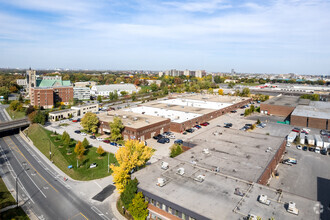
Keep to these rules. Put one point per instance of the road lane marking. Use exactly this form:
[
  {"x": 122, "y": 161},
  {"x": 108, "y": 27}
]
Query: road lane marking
[
  {"x": 27, "y": 174},
  {"x": 97, "y": 211},
  {"x": 30, "y": 163},
  {"x": 83, "y": 216},
  {"x": 97, "y": 184}
]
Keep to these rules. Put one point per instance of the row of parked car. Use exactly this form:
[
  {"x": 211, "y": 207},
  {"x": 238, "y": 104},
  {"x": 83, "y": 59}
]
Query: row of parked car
[
  {"x": 97, "y": 138},
  {"x": 196, "y": 127},
  {"x": 164, "y": 138},
  {"x": 313, "y": 149}
]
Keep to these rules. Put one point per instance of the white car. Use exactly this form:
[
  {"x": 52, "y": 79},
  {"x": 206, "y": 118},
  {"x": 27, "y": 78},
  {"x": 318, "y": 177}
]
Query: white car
[
  {"x": 100, "y": 139},
  {"x": 83, "y": 134},
  {"x": 171, "y": 137},
  {"x": 299, "y": 147},
  {"x": 317, "y": 150},
  {"x": 93, "y": 165}
]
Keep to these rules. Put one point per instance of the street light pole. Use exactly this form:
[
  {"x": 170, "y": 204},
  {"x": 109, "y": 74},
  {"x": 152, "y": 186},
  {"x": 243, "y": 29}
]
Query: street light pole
[
  {"x": 108, "y": 162},
  {"x": 16, "y": 192}
]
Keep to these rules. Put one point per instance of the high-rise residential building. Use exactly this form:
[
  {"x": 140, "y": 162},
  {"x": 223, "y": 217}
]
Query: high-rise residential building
[{"x": 200, "y": 73}]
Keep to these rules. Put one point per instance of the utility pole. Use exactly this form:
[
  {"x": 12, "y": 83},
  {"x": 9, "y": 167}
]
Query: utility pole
[
  {"x": 16, "y": 192},
  {"x": 108, "y": 162},
  {"x": 77, "y": 163}
]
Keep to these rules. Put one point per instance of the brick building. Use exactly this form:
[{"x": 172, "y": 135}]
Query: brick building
[
  {"x": 300, "y": 112},
  {"x": 137, "y": 126},
  {"x": 47, "y": 97}
]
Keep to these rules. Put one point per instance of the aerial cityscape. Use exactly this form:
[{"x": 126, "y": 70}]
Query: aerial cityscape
[{"x": 162, "y": 110}]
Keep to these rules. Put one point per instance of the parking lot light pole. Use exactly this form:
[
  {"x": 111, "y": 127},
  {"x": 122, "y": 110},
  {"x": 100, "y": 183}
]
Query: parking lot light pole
[{"x": 50, "y": 149}]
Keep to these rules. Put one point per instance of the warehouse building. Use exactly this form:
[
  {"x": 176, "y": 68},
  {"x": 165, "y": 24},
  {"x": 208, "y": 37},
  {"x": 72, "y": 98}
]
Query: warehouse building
[
  {"x": 315, "y": 115},
  {"x": 105, "y": 90},
  {"x": 75, "y": 111},
  {"x": 218, "y": 183},
  {"x": 137, "y": 126},
  {"x": 81, "y": 93},
  {"x": 189, "y": 110}
]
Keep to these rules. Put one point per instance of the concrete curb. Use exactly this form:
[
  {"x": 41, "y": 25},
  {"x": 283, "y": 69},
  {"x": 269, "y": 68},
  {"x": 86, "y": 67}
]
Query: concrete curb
[
  {"x": 113, "y": 206},
  {"x": 6, "y": 113}
]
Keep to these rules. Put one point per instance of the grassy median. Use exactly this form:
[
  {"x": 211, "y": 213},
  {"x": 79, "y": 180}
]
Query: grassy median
[
  {"x": 63, "y": 157},
  {"x": 15, "y": 114},
  {"x": 6, "y": 199}
]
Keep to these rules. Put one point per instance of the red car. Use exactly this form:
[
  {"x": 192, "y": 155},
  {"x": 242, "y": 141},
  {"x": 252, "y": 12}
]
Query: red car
[
  {"x": 74, "y": 120},
  {"x": 205, "y": 124},
  {"x": 296, "y": 130},
  {"x": 106, "y": 141}
]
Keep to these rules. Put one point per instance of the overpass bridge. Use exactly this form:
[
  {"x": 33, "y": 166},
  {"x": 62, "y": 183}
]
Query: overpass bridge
[{"x": 12, "y": 125}]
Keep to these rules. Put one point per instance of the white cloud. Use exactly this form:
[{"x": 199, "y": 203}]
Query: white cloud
[{"x": 199, "y": 6}]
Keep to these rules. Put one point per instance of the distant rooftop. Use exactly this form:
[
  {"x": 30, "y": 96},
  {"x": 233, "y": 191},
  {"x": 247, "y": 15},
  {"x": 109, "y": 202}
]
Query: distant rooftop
[
  {"x": 313, "y": 110},
  {"x": 112, "y": 87},
  {"x": 285, "y": 100},
  {"x": 196, "y": 103},
  {"x": 52, "y": 82}
]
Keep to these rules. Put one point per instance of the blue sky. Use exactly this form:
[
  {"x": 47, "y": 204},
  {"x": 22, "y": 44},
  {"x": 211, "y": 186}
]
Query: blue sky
[{"x": 275, "y": 36}]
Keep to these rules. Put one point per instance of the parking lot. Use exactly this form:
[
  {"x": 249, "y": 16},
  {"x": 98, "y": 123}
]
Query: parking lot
[{"x": 310, "y": 177}]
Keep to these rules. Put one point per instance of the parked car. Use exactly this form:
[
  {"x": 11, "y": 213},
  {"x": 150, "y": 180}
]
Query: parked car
[
  {"x": 93, "y": 165},
  {"x": 100, "y": 139},
  {"x": 242, "y": 114},
  {"x": 317, "y": 150},
  {"x": 324, "y": 151},
  {"x": 299, "y": 147},
  {"x": 171, "y": 136},
  {"x": 178, "y": 141},
  {"x": 158, "y": 136},
  {"x": 190, "y": 130},
  {"x": 83, "y": 134},
  {"x": 92, "y": 137},
  {"x": 184, "y": 133},
  {"x": 77, "y": 131},
  {"x": 198, "y": 126},
  {"x": 167, "y": 133},
  {"x": 229, "y": 124},
  {"x": 233, "y": 111},
  {"x": 305, "y": 148},
  {"x": 218, "y": 125},
  {"x": 74, "y": 120},
  {"x": 113, "y": 143},
  {"x": 106, "y": 141},
  {"x": 163, "y": 140},
  {"x": 312, "y": 149},
  {"x": 296, "y": 130}
]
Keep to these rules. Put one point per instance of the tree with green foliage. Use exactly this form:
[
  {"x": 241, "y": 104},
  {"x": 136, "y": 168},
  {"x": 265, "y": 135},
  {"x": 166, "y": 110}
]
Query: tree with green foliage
[
  {"x": 85, "y": 143},
  {"x": 90, "y": 122},
  {"x": 154, "y": 87},
  {"x": 210, "y": 91},
  {"x": 37, "y": 117},
  {"x": 245, "y": 92},
  {"x": 231, "y": 85},
  {"x": 29, "y": 110},
  {"x": 67, "y": 140},
  {"x": 16, "y": 106},
  {"x": 258, "y": 121},
  {"x": 123, "y": 93},
  {"x": 175, "y": 150},
  {"x": 99, "y": 98},
  {"x": 129, "y": 192},
  {"x": 139, "y": 207},
  {"x": 313, "y": 97},
  {"x": 116, "y": 128},
  {"x": 133, "y": 96},
  {"x": 4, "y": 91}
]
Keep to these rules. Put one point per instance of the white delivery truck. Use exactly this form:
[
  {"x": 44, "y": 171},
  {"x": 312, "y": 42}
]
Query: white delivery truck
[
  {"x": 302, "y": 138},
  {"x": 311, "y": 139},
  {"x": 318, "y": 141},
  {"x": 291, "y": 137}
]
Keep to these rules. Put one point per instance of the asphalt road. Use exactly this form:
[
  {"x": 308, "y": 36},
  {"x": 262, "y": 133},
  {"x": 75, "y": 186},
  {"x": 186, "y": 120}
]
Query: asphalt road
[{"x": 41, "y": 190}]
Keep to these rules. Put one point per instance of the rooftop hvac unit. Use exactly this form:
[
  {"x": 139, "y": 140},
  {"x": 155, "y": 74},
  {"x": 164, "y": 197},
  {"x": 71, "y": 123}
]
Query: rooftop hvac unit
[
  {"x": 165, "y": 165},
  {"x": 147, "y": 121},
  {"x": 180, "y": 171},
  {"x": 291, "y": 208},
  {"x": 200, "y": 178},
  {"x": 161, "y": 182},
  {"x": 124, "y": 116},
  {"x": 206, "y": 151},
  {"x": 135, "y": 119},
  {"x": 263, "y": 199}
]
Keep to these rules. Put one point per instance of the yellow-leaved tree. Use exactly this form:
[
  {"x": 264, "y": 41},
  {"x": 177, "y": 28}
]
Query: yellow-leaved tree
[
  {"x": 220, "y": 91},
  {"x": 133, "y": 154}
]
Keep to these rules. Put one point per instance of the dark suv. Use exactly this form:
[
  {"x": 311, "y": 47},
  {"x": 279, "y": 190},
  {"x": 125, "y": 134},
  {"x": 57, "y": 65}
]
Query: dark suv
[
  {"x": 157, "y": 137},
  {"x": 163, "y": 140}
]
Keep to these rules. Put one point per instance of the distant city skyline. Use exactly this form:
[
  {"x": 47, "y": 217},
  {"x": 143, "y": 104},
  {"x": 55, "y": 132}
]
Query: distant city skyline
[{"x": 277, "y": 36}]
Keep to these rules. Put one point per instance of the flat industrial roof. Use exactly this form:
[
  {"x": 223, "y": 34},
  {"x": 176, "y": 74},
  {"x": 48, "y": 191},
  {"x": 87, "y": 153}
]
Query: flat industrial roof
[
  {"x": 62, "y": 111},
  {"x": 196, "y": 103},
  {"x": 175, "y": 116},
  {"x": 237, "y": 153},
  {"x": 214, "y": 198},
  {"x": 210, "y": 98},
  {"x": 130, "y": 119},
  {"x": 313, "y": 110},
  {"x": 285, "y": 100}
]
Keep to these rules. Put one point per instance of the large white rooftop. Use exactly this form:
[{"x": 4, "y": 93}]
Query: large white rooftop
[
  {"x": 196, "y": 103},
  {"x": 175, "y": 116}
]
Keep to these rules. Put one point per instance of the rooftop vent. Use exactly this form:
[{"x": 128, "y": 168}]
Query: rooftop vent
[
  {"x": 147, "y": 121},
  {"x": 135, "y": 119},
  {"x": 161, "y": 182},
  {"x": 263, "y": 199},
  {"x": 124, "y": 116},
  {"x": 200, "y": 178},
  {"x": 291, "y": 208},
  {"x": 165, "y": 165},
  {"x": 180, "y": 171},
  {"x": 206, "y": 151}
]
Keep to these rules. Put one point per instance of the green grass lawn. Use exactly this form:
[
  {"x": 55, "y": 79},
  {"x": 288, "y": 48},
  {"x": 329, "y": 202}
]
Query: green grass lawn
[
  {"x": 15, "y": 213},
  {"x": 6, "y": 198},
  {"x": 15, "y": 114},
  {"x": 62, "y": 160}
]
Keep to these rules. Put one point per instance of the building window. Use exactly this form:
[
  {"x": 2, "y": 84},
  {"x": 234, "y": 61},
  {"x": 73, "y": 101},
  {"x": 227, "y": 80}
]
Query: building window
[
  {"x": 170, "y": 210},
  {"x": 158, "y": 204},
  {"x": 164, "y": 207}
]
